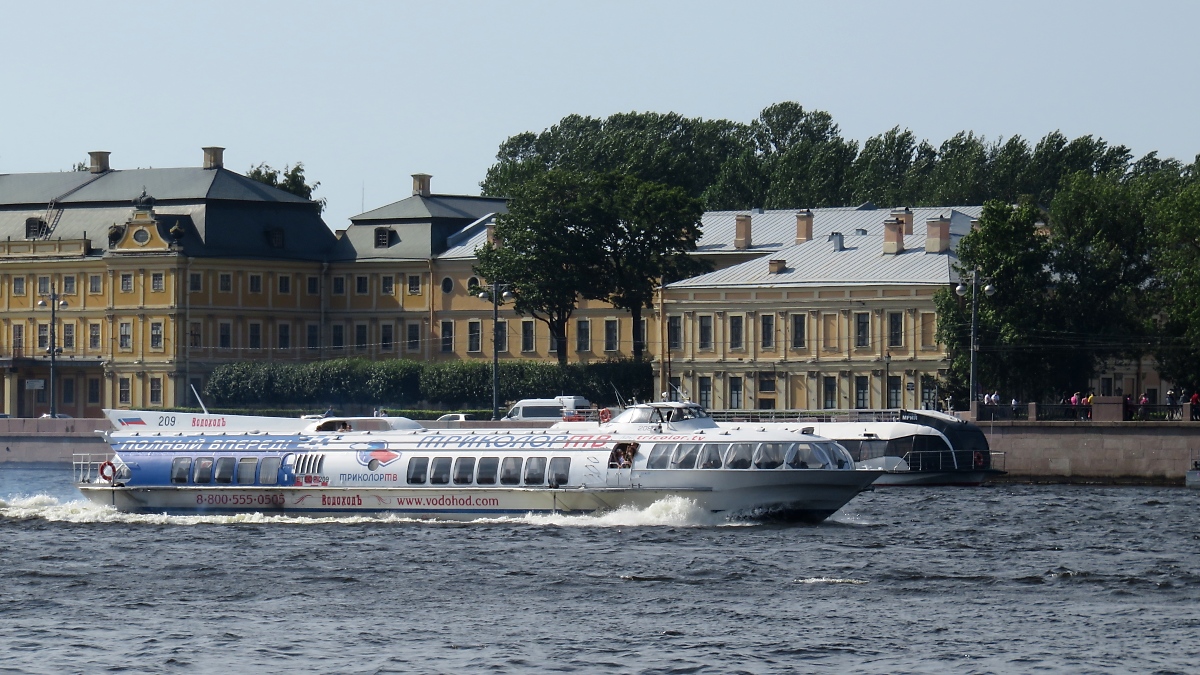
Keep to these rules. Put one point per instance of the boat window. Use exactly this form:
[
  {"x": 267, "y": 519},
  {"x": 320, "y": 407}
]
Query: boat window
[
  {"x": 464, "y": 468},
  {"x": 660, "y": 456},
  {"x": 690, "y": 412},
  {"x": 838, "y": 455},
  {"x": 203, "y": 471},
  {"x": 560, "y": 471},
  {"x": 487, "y": 471},
  {"x": 738, "y": 455},
  {"x": 710, "y": 457},
  {"x": 245, "y": 471},
  {"x": 808, "y": 456},
  {"x": 869, "y": 449},
  {"x": 224, "y": 471},
  {"x": 268, "y": 471},
  {"x": 928, "y": 444},
  {"x": 633, "y": 416},
  {"x": 770, "y": 455},
  {"x": 510, "y": 471},
  {"x": 180, "y": 467},
  {"x": 684, "y": 456},
  {"x": 417, "y": 468},
  {"x": 535, "y": 471},
  {"x": 439, "y": 473}
]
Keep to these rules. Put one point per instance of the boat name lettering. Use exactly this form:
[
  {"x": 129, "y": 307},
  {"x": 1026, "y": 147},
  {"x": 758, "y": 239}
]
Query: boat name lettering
[
  {"x": 341, "y": 500},
  {"x": 661, "y": 437},
  {"x": 367, "y": 477},
  {"x": 239, "y": 499},
  {"x": 208, "y": 422},
  {"x": 510, "y": 441}
]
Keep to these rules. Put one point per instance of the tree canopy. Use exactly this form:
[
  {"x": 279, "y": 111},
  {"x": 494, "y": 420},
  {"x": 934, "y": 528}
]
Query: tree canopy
[
  {"x": 289, "y": 179},
  {"x": 571, "y": 235}
]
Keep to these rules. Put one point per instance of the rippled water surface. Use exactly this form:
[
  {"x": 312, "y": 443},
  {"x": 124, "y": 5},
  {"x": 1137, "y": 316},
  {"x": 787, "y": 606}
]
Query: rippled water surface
[{"x": 1009, "y": 579}]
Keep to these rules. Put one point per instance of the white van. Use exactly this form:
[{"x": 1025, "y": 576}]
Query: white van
[{"x": 546, "y": 409}]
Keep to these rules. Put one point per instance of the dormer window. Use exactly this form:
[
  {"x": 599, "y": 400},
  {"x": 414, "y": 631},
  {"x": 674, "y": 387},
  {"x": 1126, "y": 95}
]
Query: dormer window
[
  {"x": 275, "y": 236},
  {"x": 383, "y": 237},
  {"x": 34, "y": 228}
]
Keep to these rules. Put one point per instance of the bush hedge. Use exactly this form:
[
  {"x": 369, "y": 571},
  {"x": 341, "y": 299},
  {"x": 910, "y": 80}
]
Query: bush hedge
[{"x": 397, "y": 383}]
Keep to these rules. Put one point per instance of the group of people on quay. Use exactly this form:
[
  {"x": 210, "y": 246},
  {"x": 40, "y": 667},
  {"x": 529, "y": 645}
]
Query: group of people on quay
[{"x": 1078, "y": 406}]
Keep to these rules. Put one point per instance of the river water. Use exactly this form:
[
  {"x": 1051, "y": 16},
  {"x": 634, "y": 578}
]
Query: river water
[{"x": 1004, "y": 579}]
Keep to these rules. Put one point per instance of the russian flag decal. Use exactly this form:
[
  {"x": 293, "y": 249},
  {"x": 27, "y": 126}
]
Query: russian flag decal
[{"x": 131, "y": 421}]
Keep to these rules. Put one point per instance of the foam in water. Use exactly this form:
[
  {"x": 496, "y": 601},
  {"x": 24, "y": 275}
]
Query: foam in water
[
  {"x": 670, "y": 511},
  {"x": 828, "y": 580}
]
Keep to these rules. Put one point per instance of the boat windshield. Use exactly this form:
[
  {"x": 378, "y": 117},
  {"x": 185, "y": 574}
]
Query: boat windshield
[{"x": 660, "y": 414}]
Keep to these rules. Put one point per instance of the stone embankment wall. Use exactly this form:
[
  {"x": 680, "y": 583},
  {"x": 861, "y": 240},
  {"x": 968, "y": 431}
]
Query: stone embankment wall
[
  {"x": 1083, "y": 452},
  {"x": 1095, "y": 452},
  {"x": 49, "y": 440}
]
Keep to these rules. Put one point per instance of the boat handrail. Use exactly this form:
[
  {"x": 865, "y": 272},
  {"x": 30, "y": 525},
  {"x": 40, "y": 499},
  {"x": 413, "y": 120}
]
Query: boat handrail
[{"x": 781, "y": 415}]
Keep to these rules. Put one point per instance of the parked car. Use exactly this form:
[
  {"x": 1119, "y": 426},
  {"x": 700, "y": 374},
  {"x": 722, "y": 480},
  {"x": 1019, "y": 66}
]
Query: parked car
[
  {"x": 457, "y": 417},
  {"x": 61, "y": 416},
  {"x": 547, "y": 409}
]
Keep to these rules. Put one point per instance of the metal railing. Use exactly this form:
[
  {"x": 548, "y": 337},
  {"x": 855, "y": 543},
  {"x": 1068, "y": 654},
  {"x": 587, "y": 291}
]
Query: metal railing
[
  {"x": 1154, "y": 413},
  {"x": 1064, "y": 412},
  {"x": 985, "y": 413},
  {"x": 805, "y": 415},
  {"x": 85, "y": 467}
]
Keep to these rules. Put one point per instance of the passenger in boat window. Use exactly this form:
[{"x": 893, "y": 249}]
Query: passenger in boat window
[
  {"x": 660, "y": 456},
  {"x": 344, "y": 426},
  {"x": 710, "y": 457},
  {"x": 770, "y": 455},
  {"x": 331, "y": 425},
  {"x": 738, "y": 455},
  {"x": 464, "y": 468},
  {"x": 627, "y": 456},
  {"x": 439, "y": 474},
  {"x": 797, "y": 456},
  {"x": 180, "y": 467},
  {"x": 224, "y": 471},
  {"x": 838, "y": 455},
  {"x": 268, "y": 471},
  {"x": 810, "y": 456},
  {"x": 510, "y": 471},
  {"x": 245, "y": 470},
  {"x": 560, "y": 471},
  {"x": 535, "y": 471},
  {"x": 417, "y": 468},
  {"x": 616, "y": 457},
  {"x": 684, "y": 456},
  {"x": 487, "y": 471},
  {"x": 203, "y": 470}
]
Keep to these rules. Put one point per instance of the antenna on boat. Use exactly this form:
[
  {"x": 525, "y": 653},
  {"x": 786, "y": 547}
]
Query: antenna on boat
[
  {"x": 620, "y": 401},
  {"x": 198, "y": 399}
]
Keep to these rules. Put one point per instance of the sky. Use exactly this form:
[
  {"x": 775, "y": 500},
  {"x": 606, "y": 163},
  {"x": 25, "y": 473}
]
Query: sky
[{"x": 367, "y": 93}]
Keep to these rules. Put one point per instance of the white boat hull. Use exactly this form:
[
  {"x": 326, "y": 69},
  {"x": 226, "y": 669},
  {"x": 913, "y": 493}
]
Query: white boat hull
[
  {"x": 935, "y": 478},
  {"x": 809, "y": 496}
]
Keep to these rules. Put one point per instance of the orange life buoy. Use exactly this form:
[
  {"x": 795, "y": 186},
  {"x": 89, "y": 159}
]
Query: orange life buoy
[
  {"x": 111, "y": 471},
  {"x": 605, "y": 415},
  {"x": 978, "y": 460}
]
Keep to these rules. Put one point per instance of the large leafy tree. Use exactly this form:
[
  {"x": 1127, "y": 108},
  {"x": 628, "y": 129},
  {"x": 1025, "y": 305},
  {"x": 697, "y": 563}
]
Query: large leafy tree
[
  {"x": 1177, "y": 292},
  {"x": 572, "y": 235},
  {"x": 652, "y": 229},
  {"x": 289, "y": 179},
  {"x": 1009, "y": 250},
  {"x": 549, "y": 247}
]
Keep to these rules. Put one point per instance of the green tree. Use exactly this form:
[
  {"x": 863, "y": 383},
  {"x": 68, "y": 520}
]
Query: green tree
[
  {"x": 551, "y": 237},
  {"x": 1009, "y": 250},
  {"x": 880, "y": 173},
  {"x": 651, "y": 229},
  {"x": 1177, "y": 291},
  {"x": 290, "y": 179}
]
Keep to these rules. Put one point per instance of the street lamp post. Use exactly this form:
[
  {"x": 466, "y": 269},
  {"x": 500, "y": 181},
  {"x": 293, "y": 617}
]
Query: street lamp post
[
  {"x": 496, "y": 300},
  {"x": 53, "y": 349},
  {"x": 961, "y": 290},
  {"x": 887, "y": 379}
]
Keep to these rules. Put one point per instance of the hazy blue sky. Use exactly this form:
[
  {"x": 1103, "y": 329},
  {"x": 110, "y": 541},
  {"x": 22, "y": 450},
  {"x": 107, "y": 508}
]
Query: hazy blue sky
[{"x": 366, "y": 93}]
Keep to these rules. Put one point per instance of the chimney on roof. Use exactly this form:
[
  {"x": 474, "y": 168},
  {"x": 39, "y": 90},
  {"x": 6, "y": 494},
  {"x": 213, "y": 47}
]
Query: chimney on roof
[
  {"x": 741, "y": 232},
  {"x": 937, "y": 235},
  {"x": 893, "y": 236},
  {"x": 776, "y": 266},
  {"x": 491, "y": 234},
  {"x": 804, "y": 222},
  {"x": 975, "y": 224},
  {"x": 214, "y": 157},
  {"x": 99, "y": 161},
  {"x": 838, "y": 243},
  {"x": 421, "y": 184},
  {"x": 906, "y": 216}
]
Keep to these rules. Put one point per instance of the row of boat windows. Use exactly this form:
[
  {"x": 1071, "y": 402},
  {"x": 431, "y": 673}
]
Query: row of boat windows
[
  {"x": 226, "y": 470},
  {"x": 489, "y": 470},
  {"x": 747, "y": 455},
  {"x": 896, "y": 447}
]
